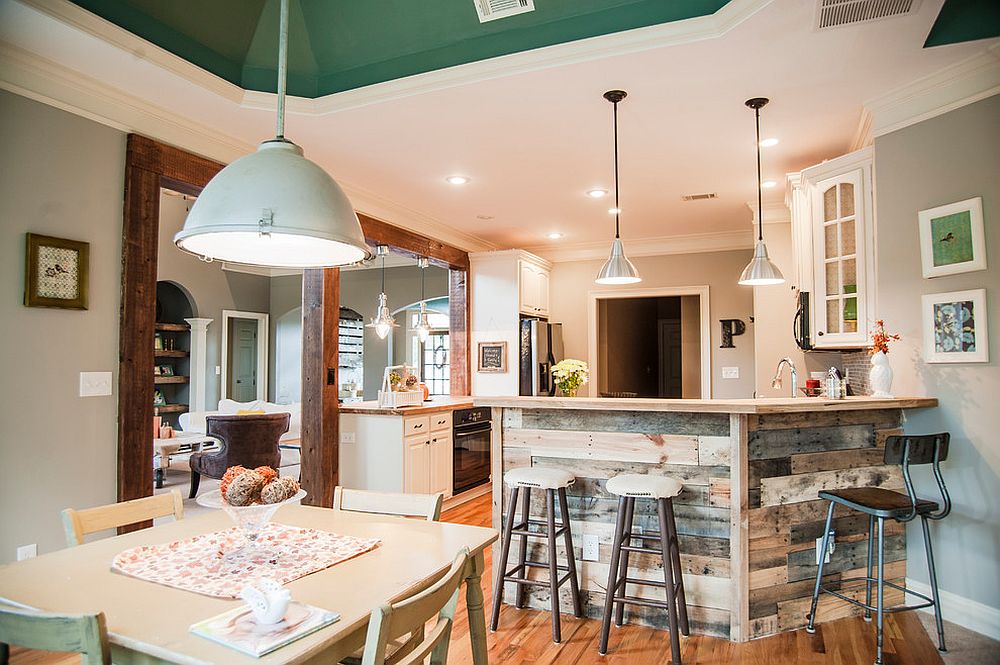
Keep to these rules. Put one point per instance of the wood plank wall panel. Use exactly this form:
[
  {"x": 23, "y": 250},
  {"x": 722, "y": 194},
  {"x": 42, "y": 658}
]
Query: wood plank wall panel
[
  {"x": 597, "y": 445},
  {"x": 791, "y": 458},
  {"x": 460, "y": 355}
]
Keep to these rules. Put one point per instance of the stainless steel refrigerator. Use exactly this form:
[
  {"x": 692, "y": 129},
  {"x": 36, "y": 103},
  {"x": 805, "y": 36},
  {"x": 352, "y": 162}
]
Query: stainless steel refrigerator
[{"x": 541, "y": 347}]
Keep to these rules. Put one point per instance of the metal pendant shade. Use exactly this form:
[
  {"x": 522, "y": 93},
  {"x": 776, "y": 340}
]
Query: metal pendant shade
[
  {"x": 760, "y": 271},
  {"x": 617, "y": 269},
  {"x": 274, "y": 207}
]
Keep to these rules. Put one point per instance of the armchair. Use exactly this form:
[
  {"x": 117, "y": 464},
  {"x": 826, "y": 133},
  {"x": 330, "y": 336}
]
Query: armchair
[{"x": 247, "y": 440}]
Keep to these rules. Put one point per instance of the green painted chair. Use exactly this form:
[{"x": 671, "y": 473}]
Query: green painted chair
[
  {"x": 396, "y": 631},
  {"x": 86, "y": 634}
]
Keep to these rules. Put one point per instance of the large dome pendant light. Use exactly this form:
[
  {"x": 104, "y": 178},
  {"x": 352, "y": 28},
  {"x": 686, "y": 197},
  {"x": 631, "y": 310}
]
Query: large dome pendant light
[
  {"x": 274, "y": 207},
  {"x": 618, "y": 269},
  {"x": 423, "y": 326},
  {"x": 382, "y": 322},
  {"x": 760, "y": 271}
]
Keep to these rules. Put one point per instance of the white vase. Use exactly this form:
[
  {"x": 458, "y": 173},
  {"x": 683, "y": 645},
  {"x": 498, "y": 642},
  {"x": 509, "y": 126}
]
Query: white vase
[{"x": 880, "y": 376}]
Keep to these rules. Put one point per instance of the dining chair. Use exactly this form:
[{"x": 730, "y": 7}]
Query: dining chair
[
  {"x": 86, "y": 634},
  {"x": 427, "y": 506},
  {"x": 396, "y": 631},
  {"x": 79, "y": 523}
]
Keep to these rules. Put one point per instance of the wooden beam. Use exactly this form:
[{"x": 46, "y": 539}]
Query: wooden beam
[
  {"x": 458, "y": 334},
  {"x": 413, "y": 244},
  {"x": 320, "y": 472},
  {"x": 184, "y": 169}
]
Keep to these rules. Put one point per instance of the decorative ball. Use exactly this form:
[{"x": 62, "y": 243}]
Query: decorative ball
[
  {"x": 267, "y": 473},
  {"x": 245, "y": 488},
  {"x": 228, "y": 477},
  {"x": 279, "y": 490}
]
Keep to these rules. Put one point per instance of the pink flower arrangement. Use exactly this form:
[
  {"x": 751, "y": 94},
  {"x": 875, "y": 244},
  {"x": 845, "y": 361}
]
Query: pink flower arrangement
[{"x": 881, "y": 339}]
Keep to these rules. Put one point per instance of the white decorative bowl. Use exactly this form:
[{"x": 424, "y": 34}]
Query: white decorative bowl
[{"x": 250, "y": 519}]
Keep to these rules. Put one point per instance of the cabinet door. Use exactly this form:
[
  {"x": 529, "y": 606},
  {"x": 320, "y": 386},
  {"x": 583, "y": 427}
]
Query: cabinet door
[
  {"x": 441, "y": 464},
  {"x": 417, "y": 466},
  {"x": 528, "y": 288},
  {"x": 542, "y": 289},
  {"x": 841, "y": 260}
]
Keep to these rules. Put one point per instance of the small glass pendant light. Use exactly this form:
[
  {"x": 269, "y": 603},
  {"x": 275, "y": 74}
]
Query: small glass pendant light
[
  {"x": 618, "y": 269},
  {"x": 382, "y": 322},
  {"x": 760, "y": 271},
  {"x": 423, "y": 326}
]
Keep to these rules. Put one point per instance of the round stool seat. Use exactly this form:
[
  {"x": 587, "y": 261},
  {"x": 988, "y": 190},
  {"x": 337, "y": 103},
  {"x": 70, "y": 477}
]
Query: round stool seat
[
  {"x": 639, "y": 485},
  {"x": 542, "y": 478}
]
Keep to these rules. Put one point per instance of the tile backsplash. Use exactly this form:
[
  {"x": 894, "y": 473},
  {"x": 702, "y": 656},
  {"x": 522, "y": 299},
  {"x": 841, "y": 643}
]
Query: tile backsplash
[{"x": 856, "y": 365}]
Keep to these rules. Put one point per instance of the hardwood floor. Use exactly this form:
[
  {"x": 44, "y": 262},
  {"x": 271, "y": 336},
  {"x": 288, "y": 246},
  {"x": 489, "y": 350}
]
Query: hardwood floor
[{"x": 525, "y": 636}]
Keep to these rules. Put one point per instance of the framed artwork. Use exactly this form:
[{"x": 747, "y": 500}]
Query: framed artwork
[
  {"x": 952, "y": 239},
  {"x": 492, "y": 357},
  {"x": 955, "y": 327},
  {"x": 56, "y": 272},
  {"x": 158, "y": 398},
  {"x": 156, "y": 370},
  {"x": 166, "y": 370}
]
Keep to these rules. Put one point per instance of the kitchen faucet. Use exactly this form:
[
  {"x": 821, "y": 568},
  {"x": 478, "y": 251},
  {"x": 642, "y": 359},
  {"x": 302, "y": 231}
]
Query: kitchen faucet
[{"x": 776, "y": 383}]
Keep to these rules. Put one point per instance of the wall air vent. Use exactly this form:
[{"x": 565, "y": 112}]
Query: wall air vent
[
  {"x": 491, "y": 10},
  {"x": 837, "y": 13},
  {"x": 700, "y": 197}
]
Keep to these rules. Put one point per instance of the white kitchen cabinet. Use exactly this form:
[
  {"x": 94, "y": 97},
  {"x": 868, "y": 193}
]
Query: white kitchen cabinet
[
  {"x": 533, "y": 288},
  {"x": 440, "y": 473},
  {"x": 834, "y": 231},
  {"x": 416, "y": 465}
]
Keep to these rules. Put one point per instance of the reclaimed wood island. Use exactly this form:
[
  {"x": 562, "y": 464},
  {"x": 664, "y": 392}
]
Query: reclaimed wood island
[{"x": 748, "y": 517}]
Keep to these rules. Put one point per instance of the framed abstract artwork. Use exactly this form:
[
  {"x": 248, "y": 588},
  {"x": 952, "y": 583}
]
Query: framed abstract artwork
[
  {"x": 955, "y": 327},
  {"x": 56, "y": 272},
  {"x": 952, "y": 239}
]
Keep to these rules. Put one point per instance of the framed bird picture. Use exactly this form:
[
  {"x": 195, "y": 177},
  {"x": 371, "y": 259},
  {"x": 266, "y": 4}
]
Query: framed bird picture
[
  {"x": 56, "y": 272},
  {"x": 952, "y": 239}
]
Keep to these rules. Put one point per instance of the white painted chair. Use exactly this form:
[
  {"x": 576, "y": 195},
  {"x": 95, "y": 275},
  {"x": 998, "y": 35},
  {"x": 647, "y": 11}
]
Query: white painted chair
[
  {"x": 79, "y": 523},
  {"x": 427, "y": 506}
]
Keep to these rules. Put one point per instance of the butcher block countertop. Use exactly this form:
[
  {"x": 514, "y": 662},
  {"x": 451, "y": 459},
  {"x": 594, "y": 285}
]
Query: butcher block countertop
[
  {"x": 437, "y": 403},
  {"x": 752, "y": 406}
]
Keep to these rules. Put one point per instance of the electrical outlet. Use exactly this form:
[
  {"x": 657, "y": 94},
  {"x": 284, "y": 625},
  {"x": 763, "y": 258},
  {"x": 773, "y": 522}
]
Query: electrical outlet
[
  {"x": 348, "y": 437},
  {"x": 830, "y": 547},
  {"x": 730, "y": 372},
  {"x": 27, "y": 551},
  {"x": 591, "y": 547},
  {"x": 218, "y": 370}
]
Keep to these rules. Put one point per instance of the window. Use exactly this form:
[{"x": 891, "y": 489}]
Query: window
[{"x": 435, "y": 368}]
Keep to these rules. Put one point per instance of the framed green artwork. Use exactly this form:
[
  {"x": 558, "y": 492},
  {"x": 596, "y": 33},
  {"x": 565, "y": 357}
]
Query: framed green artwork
[
  {"x": 56, "y": 272},
  {"x": 952, "y": 239}
]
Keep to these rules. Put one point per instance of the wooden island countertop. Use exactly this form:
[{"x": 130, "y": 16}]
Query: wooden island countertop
[
  {"x": 748, "y": 516},
  {"x": 436, "y": 403}
]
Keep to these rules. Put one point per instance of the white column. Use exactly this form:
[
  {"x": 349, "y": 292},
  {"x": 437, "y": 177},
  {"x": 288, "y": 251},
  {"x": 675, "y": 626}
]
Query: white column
[{"x": 199, "y": 363}]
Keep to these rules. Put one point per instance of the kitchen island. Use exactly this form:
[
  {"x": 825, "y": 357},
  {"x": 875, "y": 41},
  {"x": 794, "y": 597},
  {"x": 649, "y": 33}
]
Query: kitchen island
[{"x": 748, "y": 516}]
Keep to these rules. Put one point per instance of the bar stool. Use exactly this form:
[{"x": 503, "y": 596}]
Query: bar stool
[
  {"x": 554, "y": 482},
  {"x": 628, "y": 488},
  {"x": 882, "y": 504}
]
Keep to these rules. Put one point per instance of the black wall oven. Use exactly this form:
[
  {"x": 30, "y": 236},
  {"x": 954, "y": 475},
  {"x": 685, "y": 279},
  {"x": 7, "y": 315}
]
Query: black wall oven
[{"x": 471, "y": 434}]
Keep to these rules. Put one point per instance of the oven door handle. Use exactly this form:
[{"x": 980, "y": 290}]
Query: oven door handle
[{"x": 471, "y": 432}]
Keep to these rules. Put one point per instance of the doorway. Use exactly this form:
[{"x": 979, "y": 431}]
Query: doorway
[
  {"x": 244, "y": 355},
  {"x": 650, "y": 343}
]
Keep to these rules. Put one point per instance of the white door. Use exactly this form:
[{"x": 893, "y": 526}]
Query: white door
[
  {"x": 417, "y": 465},
  {"x": 440, "y": 463}
]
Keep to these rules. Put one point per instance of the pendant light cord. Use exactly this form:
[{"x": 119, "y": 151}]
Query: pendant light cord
[
  {"x": 282, "y": 68},
  {"x": 383, "y": 273},
  {"x": 760, "y": 206},
  {"x": 617, "y": 207}
]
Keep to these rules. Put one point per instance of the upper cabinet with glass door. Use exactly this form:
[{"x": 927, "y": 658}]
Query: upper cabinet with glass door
[{"x": 835, "y": 245}]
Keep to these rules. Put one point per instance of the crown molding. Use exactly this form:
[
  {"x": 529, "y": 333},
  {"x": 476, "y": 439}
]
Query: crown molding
[
  {"x": 662, "y": 246},
  {"x": 863, "y": 133},
  {"x": 958, "y": 85},
  {"x": 774, "y": 213}
]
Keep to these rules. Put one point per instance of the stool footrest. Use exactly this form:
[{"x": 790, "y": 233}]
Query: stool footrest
[
  {"x": 542, "y": 583},
  {"x": 633, "y": 580},
  {"x": 873, "y": 608},
  {"x": 646, "y": 535},
  {"x": 560, "y": 530},
  {"x": 644, "y": 602},
  {"x": 645, "y": 550}
]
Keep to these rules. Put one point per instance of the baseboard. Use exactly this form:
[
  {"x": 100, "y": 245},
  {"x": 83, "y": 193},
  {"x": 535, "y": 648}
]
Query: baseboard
[{"x": 963, "y": 611}]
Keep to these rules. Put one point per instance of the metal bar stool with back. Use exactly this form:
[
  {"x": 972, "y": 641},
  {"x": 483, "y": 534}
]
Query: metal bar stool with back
[{"x": 882, "y": 504}]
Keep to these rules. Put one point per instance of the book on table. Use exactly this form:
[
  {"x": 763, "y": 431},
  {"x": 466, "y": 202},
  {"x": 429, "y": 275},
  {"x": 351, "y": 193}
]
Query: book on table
[{"x": 238, "y": 630}]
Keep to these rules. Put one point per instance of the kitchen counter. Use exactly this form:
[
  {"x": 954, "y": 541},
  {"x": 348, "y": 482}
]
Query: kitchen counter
[
  {"x": 749, "y": 514},
  {"x": 437, "y": 403}
]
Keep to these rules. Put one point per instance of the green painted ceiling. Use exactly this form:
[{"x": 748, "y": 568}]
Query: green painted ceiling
[
  {"x": 337, "y": 45},
  {"x": 965, "y": 21}
]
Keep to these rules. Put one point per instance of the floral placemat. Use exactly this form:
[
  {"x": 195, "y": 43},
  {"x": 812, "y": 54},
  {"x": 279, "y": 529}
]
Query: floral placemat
[{"x": 219, "y": 564}]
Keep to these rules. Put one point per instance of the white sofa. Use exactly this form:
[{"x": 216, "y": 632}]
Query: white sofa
[{"x": 194, "y": 421}]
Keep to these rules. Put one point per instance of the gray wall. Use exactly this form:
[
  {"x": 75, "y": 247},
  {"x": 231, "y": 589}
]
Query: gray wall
[
  {"x": 211, "y": 288},
  {"x": 571, "y": 283},
  {"x": 62, "y": 176},
  {"x": 949, "y": 158}
]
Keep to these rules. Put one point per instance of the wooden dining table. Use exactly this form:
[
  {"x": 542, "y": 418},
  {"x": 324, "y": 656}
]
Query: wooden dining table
[{"x": 149, "y": 622}]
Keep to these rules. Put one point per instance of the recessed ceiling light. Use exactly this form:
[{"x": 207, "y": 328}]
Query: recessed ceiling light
[
  {"x": 555, "y": 235},
  {"x": 597, "y": 193},
  {"x": 457, "y": 179},
  {"x": 484, "y": 216},
  {"x": 768, "y": 184},
  {"x": 614, "y": 211},
  {"x": 769, "y": 143}
]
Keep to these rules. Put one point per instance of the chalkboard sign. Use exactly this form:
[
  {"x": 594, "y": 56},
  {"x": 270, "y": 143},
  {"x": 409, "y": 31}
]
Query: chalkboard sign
[{"x": 493, "y": 356}]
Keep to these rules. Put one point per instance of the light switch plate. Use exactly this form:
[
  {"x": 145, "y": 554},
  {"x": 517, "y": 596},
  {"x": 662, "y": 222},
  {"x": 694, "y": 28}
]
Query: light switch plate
[
  {"x": 591, "y": 547},
  {"x": 830, "y": 547},
  {"x": 95, "y": 384},
  {"x": 730, "y": 372},
  {"x": 27, "y": 551},
  {"x": 347, "y": 437}
]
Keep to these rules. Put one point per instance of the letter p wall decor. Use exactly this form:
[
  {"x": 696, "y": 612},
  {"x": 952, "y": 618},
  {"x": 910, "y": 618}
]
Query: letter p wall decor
[{"x": 731, "y": 328}]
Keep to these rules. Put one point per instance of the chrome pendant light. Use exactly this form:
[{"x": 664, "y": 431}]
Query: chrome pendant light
[
  {"x": 760, "y": 271},
  {"x": 618, "y": 269},
  {"x": 382, "y": 322},
  {"x": 423, "y": 326},
  {"x": 274, "y": 207}
]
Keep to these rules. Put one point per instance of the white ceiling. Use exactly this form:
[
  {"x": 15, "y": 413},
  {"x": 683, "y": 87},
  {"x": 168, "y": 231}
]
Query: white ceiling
[{"x": 533, "y": 142}]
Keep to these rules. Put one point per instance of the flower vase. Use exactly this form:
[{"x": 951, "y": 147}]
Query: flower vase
[
  {"x": 569, "y": 393},
  {"x": 880, "y": 376}
]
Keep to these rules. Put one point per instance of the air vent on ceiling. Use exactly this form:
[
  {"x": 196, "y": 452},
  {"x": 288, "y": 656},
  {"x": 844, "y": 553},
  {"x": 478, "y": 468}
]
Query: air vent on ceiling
[
  {"x": 490, "y": 10},
  {"x": 700, "y": 197},
  {"x": 837, "y": 13}
]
